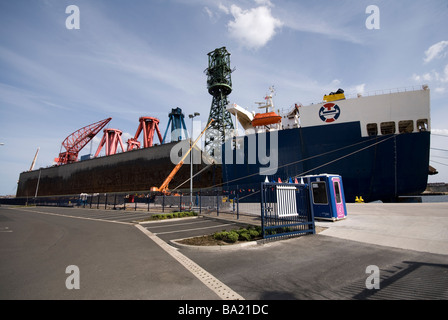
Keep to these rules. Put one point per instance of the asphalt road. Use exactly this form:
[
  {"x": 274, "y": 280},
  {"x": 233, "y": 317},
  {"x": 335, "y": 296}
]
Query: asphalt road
[
  {"x": 118, "y": 261},
  {"x": 115, "y": 260}
]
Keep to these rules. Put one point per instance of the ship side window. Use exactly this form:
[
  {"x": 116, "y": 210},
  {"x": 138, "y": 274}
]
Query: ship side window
[
  {"x": 319, "y": 192},
  {"x": 388, "y": 127},
  {"x": 422, "y": 125},
  {"x": 406, "y": 126},
  {"x": 372, "y": 129}
]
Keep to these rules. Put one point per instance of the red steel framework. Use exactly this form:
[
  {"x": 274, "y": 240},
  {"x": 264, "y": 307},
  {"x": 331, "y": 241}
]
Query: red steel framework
[
  {"x": 148, "y": 125},
  {"x": 111, "y": 138},
  {"x": 74, "y": 143}
]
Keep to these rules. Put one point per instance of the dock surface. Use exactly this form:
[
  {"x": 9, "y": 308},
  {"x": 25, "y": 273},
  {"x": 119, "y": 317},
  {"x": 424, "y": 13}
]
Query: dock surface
[{"x": 413, "y": 226}]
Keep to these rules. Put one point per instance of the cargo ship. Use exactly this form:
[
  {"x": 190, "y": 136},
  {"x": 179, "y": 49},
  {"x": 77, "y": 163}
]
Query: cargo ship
[{"x": 378, "y": 143}]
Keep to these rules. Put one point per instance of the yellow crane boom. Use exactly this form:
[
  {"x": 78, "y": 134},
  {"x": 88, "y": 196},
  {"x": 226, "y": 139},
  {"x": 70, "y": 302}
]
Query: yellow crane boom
[
  {"x": 34, "y": 160},
  {"x": 164, "y": 187}
]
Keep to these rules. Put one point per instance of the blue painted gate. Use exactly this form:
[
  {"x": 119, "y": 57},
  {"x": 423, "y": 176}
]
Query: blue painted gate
[{"x": 285, "y": 210}]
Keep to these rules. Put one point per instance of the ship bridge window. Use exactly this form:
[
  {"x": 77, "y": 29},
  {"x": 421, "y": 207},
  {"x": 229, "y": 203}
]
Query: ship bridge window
[
  {"x": 388, "y": 127},
  {"x": 406, "y": 126},
  {"x": 422, "y": 125},
  {"x": 372, "y": 129}
]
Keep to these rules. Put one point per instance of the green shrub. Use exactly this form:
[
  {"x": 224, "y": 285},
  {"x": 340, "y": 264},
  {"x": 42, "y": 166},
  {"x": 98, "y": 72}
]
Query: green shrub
[
  {"x": 254, "y": 233},
  {"x": 241, "y": 230},
  {"x": 226, "y": 236},
  {"x": 221, "y": 235},
  {"x": 241, "y": 234},
  {"x": 232, "y": 237},
  {"x": 172, "y": 215},
  {"x": 244, "y": 236}
]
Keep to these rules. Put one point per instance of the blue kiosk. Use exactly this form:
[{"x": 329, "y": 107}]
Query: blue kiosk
[{"x": 326, "y": 196}]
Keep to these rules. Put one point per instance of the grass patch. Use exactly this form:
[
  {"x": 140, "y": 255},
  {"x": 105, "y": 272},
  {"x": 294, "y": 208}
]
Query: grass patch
[
  {"x": 243, "y": 234},
  {"x": 173, "y": 215},
  {"x": 221, "y": 238}
]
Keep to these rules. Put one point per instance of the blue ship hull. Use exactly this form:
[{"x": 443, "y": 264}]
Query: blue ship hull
[{"x": 376, "y": 168}]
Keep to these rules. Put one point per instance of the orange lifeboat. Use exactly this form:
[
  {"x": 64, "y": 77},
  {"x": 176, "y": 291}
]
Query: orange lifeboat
[{"x": 264, "y": 119}]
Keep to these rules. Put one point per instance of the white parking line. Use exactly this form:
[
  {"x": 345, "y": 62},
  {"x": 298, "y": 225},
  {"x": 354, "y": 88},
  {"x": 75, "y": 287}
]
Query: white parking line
[
  {"x": 218, "y": 287},
  {"x": 176, "y": 224},
  {"x": 69, "y": 216},
  {"x": 184, "y": 230}
]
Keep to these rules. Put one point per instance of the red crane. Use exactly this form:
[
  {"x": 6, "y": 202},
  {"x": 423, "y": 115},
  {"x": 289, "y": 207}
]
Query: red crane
[
  {"x": 111, "y": 138},
  {"x": 78, "y": 140},
  {"x": 149, "y": 126}
]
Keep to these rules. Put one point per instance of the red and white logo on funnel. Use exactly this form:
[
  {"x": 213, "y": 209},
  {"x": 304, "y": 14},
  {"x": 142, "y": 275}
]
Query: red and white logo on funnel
[{"x": 330, "y": 112}]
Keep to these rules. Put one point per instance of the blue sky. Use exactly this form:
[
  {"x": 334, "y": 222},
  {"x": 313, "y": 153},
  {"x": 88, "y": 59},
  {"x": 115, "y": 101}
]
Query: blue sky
[{"x": 143, "y": 58}]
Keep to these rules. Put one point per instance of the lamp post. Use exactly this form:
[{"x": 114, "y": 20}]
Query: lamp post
[{"x": 191, "y": 116}]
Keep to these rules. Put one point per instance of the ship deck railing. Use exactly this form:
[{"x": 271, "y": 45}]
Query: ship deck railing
[{"x": 366, "y": 94}]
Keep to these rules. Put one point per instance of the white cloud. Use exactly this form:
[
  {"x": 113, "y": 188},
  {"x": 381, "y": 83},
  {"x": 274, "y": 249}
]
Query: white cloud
[
  {"x": 360, "y": 88},
  {"x": 435, "y": 51},
  {"x": 209, "y": 12},
  {"x": 333, "y": 22},
  {"x": 427, "y": 76},
  {"x": 439, "y": 80},
  {"x": 440, "y": 131},
  {"x": 125, "y": 137},
  {"x": 355, "y": 90},
  {"x": 223, "y": 8},
  {"x": 444, "y": 78},
  {"x": 336, "y": 82},
  {"x": 264, "y": 3},
  {"x": 253, "y": 28}
]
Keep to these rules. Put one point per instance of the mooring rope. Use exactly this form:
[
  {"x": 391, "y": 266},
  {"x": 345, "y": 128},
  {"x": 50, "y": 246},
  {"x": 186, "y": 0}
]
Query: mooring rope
[
  {"x": 312, "y": 157},
  {"x": 302, "y": 160},
  {"x": 199, "y": 172},
  {"x": 329, "y": 162}
]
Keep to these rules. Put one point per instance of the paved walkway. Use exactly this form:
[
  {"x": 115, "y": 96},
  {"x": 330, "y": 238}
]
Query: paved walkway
[
  {"x": 414, "y": 226},
  {"x": 242, "y": 218}
]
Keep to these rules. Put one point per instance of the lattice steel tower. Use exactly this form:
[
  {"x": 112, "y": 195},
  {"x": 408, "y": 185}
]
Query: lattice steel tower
[{"x": 219, "y": 84}]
